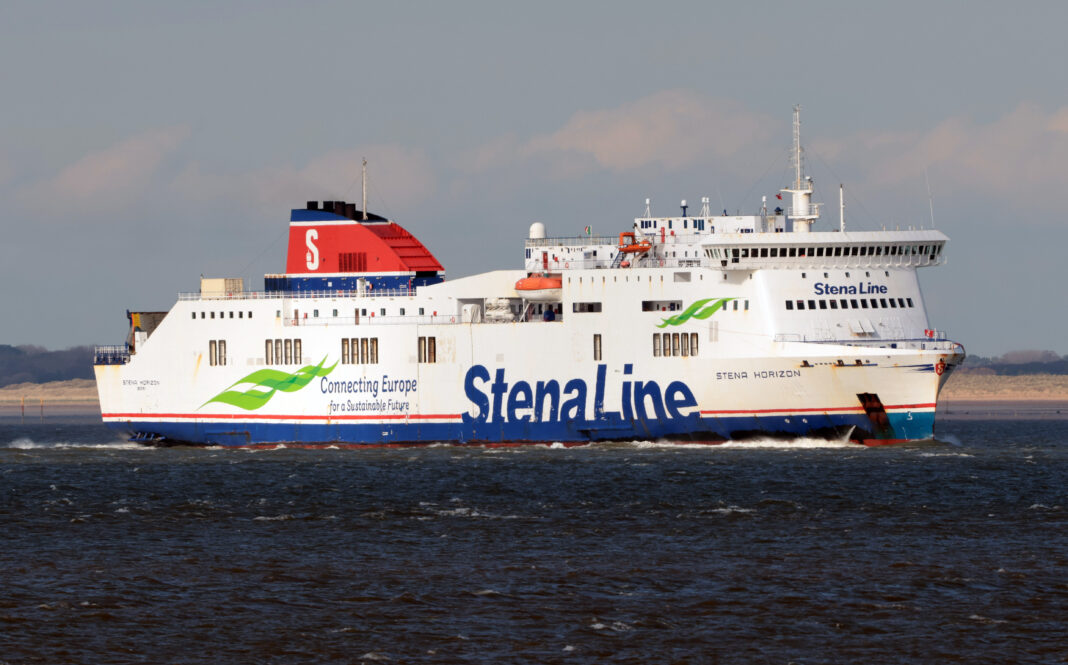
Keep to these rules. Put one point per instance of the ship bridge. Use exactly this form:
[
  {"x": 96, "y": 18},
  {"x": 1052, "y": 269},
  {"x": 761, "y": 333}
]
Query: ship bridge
[{"x": 876, "y": 249}]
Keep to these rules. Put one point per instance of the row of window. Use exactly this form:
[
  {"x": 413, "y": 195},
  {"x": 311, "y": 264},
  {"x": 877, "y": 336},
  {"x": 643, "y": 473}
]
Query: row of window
[
  {"x": 217, "y": 352},
  {"x": 282, "y": 352},
  {"x": 852, "y": 303},
  {"x": 674, "y": 344},
  {"x": 357, "y": 312},
  {"x": 359, "y": 351},
  {"x": 428, "y": 349},
  {"x": 698, "y": 223},
  {"x": 222, "y": 315},
  {"x": 818, "y": 252}
]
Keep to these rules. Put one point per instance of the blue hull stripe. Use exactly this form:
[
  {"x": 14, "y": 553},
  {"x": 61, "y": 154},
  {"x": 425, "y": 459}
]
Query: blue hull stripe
[{"x": 901, "y": 426}]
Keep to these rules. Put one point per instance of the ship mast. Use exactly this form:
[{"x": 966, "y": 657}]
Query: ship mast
[
  {"x": 803, "y": 212},
  {"x": 365, "y": 189}
]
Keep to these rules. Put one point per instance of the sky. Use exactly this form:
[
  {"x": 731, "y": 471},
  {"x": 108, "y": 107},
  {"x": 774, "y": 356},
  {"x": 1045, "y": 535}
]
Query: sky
[{"x": 144, "y": 144}]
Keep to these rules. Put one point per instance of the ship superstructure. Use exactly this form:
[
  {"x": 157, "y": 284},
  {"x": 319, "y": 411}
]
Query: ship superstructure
[{"x": 690, "y": 327}]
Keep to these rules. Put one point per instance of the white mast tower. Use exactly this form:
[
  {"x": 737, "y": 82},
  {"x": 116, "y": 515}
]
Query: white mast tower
[{"x": 803, "y": 211}]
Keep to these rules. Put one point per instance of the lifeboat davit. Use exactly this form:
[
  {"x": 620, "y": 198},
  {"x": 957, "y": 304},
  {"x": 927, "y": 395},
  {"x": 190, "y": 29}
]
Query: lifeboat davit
[
  {"x": 630, "y": 245},
  {"x": 541, "y": 288}
]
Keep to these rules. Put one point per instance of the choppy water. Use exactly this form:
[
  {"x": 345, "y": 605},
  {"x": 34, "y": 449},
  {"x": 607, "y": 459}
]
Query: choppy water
[{"x": 953, "y": 551}]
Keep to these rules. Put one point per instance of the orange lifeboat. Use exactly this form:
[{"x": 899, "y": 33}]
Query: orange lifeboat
[
  {"x": 631, "y": 245},
  {"x": 541, "y": 288}
]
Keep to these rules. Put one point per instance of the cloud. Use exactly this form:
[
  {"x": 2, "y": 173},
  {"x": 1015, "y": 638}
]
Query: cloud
[
  {"x": 106, "y": 180},
  {"x": 399, "y": 178},
  {"x": 673, "y": 129},
  {"x": 1022, "y": 153}
]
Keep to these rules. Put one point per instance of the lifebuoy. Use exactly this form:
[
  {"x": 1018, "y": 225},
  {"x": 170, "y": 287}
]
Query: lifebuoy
[
  {"x": 567, "y": 265},
  {"x": 452, "y": 319},
  {"x": 661, "y": 263}
]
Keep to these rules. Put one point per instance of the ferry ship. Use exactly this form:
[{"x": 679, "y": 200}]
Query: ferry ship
[{"x": 702, "y": 328}]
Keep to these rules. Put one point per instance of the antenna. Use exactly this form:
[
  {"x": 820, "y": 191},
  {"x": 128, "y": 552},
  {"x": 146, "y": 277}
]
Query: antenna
[
  {"x": 930, "y": 199},
  {"x": 797, "y": 146},
  {"x": 841, "y": 208},
  {"x": 648, "y": 210},
  {"x": 365, "y": 189}
]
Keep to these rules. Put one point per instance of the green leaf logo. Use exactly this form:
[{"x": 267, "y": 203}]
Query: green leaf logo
[
  {"x": 265, "y": 383},
  {"x": 692, "y": 312}
]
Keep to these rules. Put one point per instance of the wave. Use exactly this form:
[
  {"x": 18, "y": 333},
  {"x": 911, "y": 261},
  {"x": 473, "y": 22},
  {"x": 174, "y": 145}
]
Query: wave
[
  {"x": 29, "y": 444},
  {"x": 749, "y": 444}
]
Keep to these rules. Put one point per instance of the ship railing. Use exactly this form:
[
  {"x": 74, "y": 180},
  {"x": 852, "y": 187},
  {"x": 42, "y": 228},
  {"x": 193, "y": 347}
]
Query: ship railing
[
  {"x": 274, "y": 295},
  {"x": 536, "y": 265},
  {"x": 572, "y": 241},
  {"x": 112, "y": 354},
  {"x": 369, "y": 320}
]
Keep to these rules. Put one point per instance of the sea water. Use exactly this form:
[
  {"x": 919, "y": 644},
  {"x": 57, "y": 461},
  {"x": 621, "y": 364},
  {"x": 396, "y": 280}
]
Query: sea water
[{"x": 953, "y": 550}]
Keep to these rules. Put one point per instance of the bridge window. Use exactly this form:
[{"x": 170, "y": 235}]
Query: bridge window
[
  {"x": 833, "y": 303},
  {"x": 789, "y": 304},
  {"x": 586, "y": 307},
  {"x": 656, "y": 345},
  {"x": 812, "y": 304},
  {"x": 596, "y": 347},
  {"x": 844, "y": 303},
  {"x": 909, "y": 300},
  {"x": 823, "y": 304},
  {"x": 693, "y": 344},
  {"x": 800, "y": 304}
]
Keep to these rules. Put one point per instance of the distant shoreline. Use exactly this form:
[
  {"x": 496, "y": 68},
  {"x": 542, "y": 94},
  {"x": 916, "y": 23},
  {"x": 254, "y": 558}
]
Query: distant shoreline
[{"x": 965, "y": 396}]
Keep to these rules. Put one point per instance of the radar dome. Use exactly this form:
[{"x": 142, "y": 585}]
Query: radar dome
[{"x": 537, "y": 231}]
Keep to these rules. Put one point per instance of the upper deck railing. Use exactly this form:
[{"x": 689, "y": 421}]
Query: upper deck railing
[
  {"x": 111, "y": 354},
  {"x": 572, "y": 241},
  {"x": 274, "y": 295}
]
